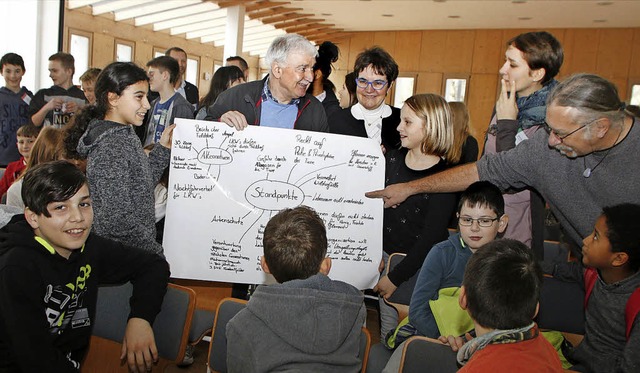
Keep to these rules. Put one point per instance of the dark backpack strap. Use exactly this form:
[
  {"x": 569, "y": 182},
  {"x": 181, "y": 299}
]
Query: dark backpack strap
[
  {"x": 631, "y": 310},
  {"x": 590, "y": 278}
]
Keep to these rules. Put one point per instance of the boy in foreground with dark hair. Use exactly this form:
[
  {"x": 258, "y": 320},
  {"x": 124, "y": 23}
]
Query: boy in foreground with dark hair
[
  {"x": 307, "y": 322},
  {"x": 612, "y": 278},
  {"x": 500, "y": 290},
  {"x": 50, "y": 270}
]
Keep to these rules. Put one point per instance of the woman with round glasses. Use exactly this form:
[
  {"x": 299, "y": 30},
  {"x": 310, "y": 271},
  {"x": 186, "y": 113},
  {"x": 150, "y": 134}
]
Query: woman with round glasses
[
  {"x": 375, "y": 72},
  {"x": 420, "y": 222},
  {"x": 532, "y": 60}
]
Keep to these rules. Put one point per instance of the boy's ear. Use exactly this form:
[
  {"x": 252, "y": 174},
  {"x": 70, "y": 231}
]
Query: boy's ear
[
  {"x": 325, "y": 266},
  {"x": 502, "y": 223},
  {"x": 619, "y": 259},
  {"x": 31, "y": 217},
  {"x": 264, "y": 266},
  {"x": 462, "y": 298}
]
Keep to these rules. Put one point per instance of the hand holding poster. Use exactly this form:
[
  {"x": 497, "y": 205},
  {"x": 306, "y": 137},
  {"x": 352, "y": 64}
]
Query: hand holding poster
[{"x": 224, "y": 185}]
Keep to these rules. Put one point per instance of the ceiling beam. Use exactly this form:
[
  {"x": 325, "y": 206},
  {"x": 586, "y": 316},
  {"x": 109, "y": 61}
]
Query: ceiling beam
[
  {"x": 264, "y": 5},
  {"x": 272, "y": 12},
  {"x": 287, "y": 18},
  {"x": 319, "y": 31},
  {"x": 194, "y": 18},
  {"x": 152, "y": 7},
  {"x": 303, "y": 26}
]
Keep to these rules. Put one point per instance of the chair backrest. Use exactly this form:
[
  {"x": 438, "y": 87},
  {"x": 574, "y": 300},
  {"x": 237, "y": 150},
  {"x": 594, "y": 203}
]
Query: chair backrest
[
  {"x": 171, "y": 327},
  {"x": 401, "y": 298},
  {"x": 422, "y": 352},
  {"x": 227, "y": 309},
  {"x": 365, "y": 345}
]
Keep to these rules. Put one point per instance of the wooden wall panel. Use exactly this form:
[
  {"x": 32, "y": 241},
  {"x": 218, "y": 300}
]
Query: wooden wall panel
[
  {"x": 359, "y": 42},
  {"x": 206, "y": 66},
  {"x": 103, "y": 50},
  {"x": 487, "y": 52},
  {"x": 432, "y": 51},
  {"x": 386, "y": 40},
  {"x": 458, "y": 52},
  {"x": 482, "y": 98},
  {"x": 429, "y": 83},
  {"x": 406, "y": 50},
  {"x": 343, "y": 60},
  {"x": 144, "y": 53},
  {"x": 580, "y": 51},
  {"x": 634, "y": 64},
  {"x": 614, "y": 53}
]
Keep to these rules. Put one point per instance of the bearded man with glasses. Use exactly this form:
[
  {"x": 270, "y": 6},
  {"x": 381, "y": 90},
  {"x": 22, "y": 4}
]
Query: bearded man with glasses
[{"x": 587, "y": 159}]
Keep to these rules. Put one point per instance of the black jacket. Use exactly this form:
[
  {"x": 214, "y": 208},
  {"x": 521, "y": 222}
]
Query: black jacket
[
  {"x": 247, "y": 99},
  {"x": 48, "y": 303}
]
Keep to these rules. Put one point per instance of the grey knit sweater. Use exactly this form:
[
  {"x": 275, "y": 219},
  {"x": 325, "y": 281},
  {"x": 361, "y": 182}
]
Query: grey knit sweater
[{"x": 121, "y": 181}]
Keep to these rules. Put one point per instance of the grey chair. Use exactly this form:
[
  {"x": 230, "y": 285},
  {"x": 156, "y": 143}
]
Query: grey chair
[
  {"x": 422, "y": 354},
  {"x": 227, "y": 309},
  {"x": 401, "y": 298},
  {"x": 171, "y": 327}
]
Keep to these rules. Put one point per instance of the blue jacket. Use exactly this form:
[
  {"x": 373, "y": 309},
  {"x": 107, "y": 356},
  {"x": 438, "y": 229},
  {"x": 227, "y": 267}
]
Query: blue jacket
[{"x": 443, "y": 268}]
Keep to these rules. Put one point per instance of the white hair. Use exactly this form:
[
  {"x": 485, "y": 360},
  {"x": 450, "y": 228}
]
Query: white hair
[{"x": 283, "y": 45}]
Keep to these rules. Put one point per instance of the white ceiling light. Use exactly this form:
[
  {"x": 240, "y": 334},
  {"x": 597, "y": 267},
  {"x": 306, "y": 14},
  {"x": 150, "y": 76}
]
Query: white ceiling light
[{"x": 153, "y": 7}]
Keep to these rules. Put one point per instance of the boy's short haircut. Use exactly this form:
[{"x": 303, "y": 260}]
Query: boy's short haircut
[
  {"x": 484, "y": 194},
  {"x": 90, "y": 75},
  {"x": 166, "y": 63},
  {"x": 12, "y": 59},
  {"x": 295, "y": 244},
  {"x": 502, "y": 282},
  {"x": 66, "y": 60},
  {"x": 28, "y": 130},
  {"x": 622, "y": 231},
  {"x": 243, "y": 63},
  {"x": 45, "y": 183}
]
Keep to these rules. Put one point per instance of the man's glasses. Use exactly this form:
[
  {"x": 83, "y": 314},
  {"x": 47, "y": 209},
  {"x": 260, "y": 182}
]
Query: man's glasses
[
  {"x": 561, "y": 138},
  {"x": 467, "y": 221},
  {"x": 376, "y": 84}
]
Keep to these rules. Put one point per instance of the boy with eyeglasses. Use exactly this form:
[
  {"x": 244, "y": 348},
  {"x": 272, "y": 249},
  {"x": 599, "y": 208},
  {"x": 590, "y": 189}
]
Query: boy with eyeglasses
[{"x": 481, "y": 219}]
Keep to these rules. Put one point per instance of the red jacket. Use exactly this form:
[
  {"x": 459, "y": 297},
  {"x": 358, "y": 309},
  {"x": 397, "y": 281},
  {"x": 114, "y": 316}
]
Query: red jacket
[{"x": 11, "y": 173}]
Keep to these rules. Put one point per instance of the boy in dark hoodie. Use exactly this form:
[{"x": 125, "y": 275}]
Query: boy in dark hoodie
[
  {"x": 50, "y": 270},
  {"x": 307, "y": 322},
  {"x": 14, "y": 106}
]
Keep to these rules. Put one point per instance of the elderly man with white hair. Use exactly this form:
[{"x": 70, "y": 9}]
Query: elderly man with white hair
[{"x": 279, "y": 100}]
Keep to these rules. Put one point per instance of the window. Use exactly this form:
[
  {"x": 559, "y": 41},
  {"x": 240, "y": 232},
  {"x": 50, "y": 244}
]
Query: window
[
  {"x": 192, "y": 71},
  {"x": 455, "y": 88},
  {"x": 404, "y": 87},
  {"x": 634, "y": 97},
  {"x": 124, "y": 50},
  {"x": 80, "y": 48}
]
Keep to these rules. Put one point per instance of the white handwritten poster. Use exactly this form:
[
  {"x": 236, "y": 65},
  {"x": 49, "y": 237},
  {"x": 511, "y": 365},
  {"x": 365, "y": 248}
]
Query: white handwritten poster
[{"x": 224, "y": 185}]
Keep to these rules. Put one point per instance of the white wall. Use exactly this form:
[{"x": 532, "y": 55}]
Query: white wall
[{"x": 30, "y": 28}]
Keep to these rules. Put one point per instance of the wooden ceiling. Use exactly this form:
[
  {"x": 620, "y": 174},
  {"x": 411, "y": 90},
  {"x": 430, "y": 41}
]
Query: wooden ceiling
[
  {"x": 285, "y": 16},
  {"x": 205, "y": 20}
]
